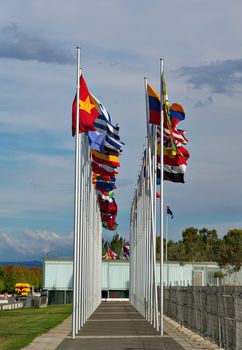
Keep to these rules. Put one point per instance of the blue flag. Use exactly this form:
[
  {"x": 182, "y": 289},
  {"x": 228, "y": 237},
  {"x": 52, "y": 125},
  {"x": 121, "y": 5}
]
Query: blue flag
[{"x": 169, "y": 211}]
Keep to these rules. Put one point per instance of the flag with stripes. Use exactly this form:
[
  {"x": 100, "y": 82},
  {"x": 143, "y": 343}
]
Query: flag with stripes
[
  {"x": 103, "y": 169},
  {"x": 107, "y": 159},
  {"x": 175, "y": 155},
  {"x": 172, "y": 173},
  {"x": 106, "y": 136},
  {"x": 154, "y": 106}
]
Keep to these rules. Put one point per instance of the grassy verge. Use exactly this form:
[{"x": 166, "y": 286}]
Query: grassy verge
[{"x": 19, "y": 327}]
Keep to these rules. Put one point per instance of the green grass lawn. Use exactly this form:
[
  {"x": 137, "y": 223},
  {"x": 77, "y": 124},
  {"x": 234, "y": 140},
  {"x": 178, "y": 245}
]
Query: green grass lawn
[{"x": 20, "y": 326}]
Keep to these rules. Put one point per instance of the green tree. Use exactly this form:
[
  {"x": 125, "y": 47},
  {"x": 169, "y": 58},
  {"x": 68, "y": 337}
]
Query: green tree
[
  {"x": 158, "y": 247},
  {"x": 116, "y": 245},
  {"x": 35, "y": 277},
  {"x": 10, "y": 277},
  {"x": 180, "y": 252},
  {"x": 171, "y": 248},
  {"x": 209, "y": 239},
  {"x": 204, "y": 245},
  {"x": 105, "y": 245},
  {"x": 192, "y": 243},
  {"x": 2, "y": 283},
  {"x": 229, "y": 251}
]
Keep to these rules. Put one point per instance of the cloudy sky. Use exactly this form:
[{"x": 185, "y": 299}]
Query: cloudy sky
[{"x": 121, "y": 43}]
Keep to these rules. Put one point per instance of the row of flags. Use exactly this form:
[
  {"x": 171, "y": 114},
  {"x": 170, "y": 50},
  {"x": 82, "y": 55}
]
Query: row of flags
[
  {"x": 111, "y": 255},
  {"x": 174, "y": 153},
  {"x": 106, "y": 147}
]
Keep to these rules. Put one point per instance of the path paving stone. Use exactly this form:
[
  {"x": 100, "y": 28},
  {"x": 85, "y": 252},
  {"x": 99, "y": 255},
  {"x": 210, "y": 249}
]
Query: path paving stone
[{"x": 117, "y": 325}]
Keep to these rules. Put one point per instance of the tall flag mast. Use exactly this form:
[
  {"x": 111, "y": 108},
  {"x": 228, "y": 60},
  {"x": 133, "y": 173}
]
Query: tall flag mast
[
  {"x": 164, "y": 158},
  {"x": 97, "y": 150},
  {"x": 76, "y": 201},
  {"x": 161, "y": 192},
  {"x": 171, "y": 155}
]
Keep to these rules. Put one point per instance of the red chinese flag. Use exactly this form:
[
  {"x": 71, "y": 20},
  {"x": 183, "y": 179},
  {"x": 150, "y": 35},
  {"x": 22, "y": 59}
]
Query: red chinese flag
[{"x": 87, "y": 110}]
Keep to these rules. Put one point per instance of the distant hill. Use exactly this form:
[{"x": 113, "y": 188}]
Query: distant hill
[{"x": 22, "y": 263}]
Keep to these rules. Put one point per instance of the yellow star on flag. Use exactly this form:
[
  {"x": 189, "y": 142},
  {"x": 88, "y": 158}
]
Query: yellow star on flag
[{"x": 86, "y": 105}]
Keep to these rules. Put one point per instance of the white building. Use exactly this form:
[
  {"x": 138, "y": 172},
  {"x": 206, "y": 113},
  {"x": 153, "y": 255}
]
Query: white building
[{"x": 57, "y": 277}]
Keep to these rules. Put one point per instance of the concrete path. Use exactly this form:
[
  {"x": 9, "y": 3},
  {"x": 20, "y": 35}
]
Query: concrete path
[
  {"x": 117, "y": 325},
  {"x": 51, "y": 339}
]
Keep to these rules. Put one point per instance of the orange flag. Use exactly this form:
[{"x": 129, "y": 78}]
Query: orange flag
[{"x": 87, "y": 110}]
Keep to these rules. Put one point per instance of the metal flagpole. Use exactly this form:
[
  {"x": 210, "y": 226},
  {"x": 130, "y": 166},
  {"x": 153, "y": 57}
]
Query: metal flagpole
[
  {"x": 146, "y": 235},
  {"x": 143, "y": 288},
  {"x": 161, "y": 194},
  {"x": 166, "y": 236},
  {"x": 87, "y": 230},
  {"x": 85, "y": 203},
  {"x": 82, "y": 221},
  {"x": 76, "y": 199},
  {"x": 83, "y": 267},
  {"x": 156, "y": 321},
  {"x": 148, "y": 215},
  {"x": 78, "y": 240},
  {"x": 150, "y": 202},
  {"x": 167, "y": 264},
  {"x": 151, "y": 173}
]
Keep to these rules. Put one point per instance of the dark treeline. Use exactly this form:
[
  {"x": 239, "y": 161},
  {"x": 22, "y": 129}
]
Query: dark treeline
[
  {"x": 205, "y": 245},
  {"x": 196, "y": 245},
  {"x": 10, "y": 275}
]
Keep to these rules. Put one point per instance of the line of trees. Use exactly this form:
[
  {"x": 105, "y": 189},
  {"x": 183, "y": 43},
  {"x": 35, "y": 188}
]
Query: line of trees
[
  {"x": 205, "y": 245},
  {"x": 10, "y": 275},
  {"x": 196, "y": 245}
]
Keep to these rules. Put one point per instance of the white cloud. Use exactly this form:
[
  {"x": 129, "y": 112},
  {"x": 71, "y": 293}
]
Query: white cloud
[{"x": 35, "y": 245}]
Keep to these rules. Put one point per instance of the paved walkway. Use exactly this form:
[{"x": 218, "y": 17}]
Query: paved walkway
[{"x": 117, "y": 325}]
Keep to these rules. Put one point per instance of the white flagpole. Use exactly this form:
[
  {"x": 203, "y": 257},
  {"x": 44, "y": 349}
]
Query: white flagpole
[
  {"x": 154, "y": 170},
  {"x": 161, "y": 195},
  {"x": 167, "y": 264},
  {"x": 76, "y": 199},
  {"x": 166, "y": 236},
  {"x": 150, "y": 212},
  {"x": 151, "y": 170}
]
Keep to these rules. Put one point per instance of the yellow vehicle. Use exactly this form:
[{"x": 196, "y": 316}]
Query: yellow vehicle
[{"x": 23, "y": 289}]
